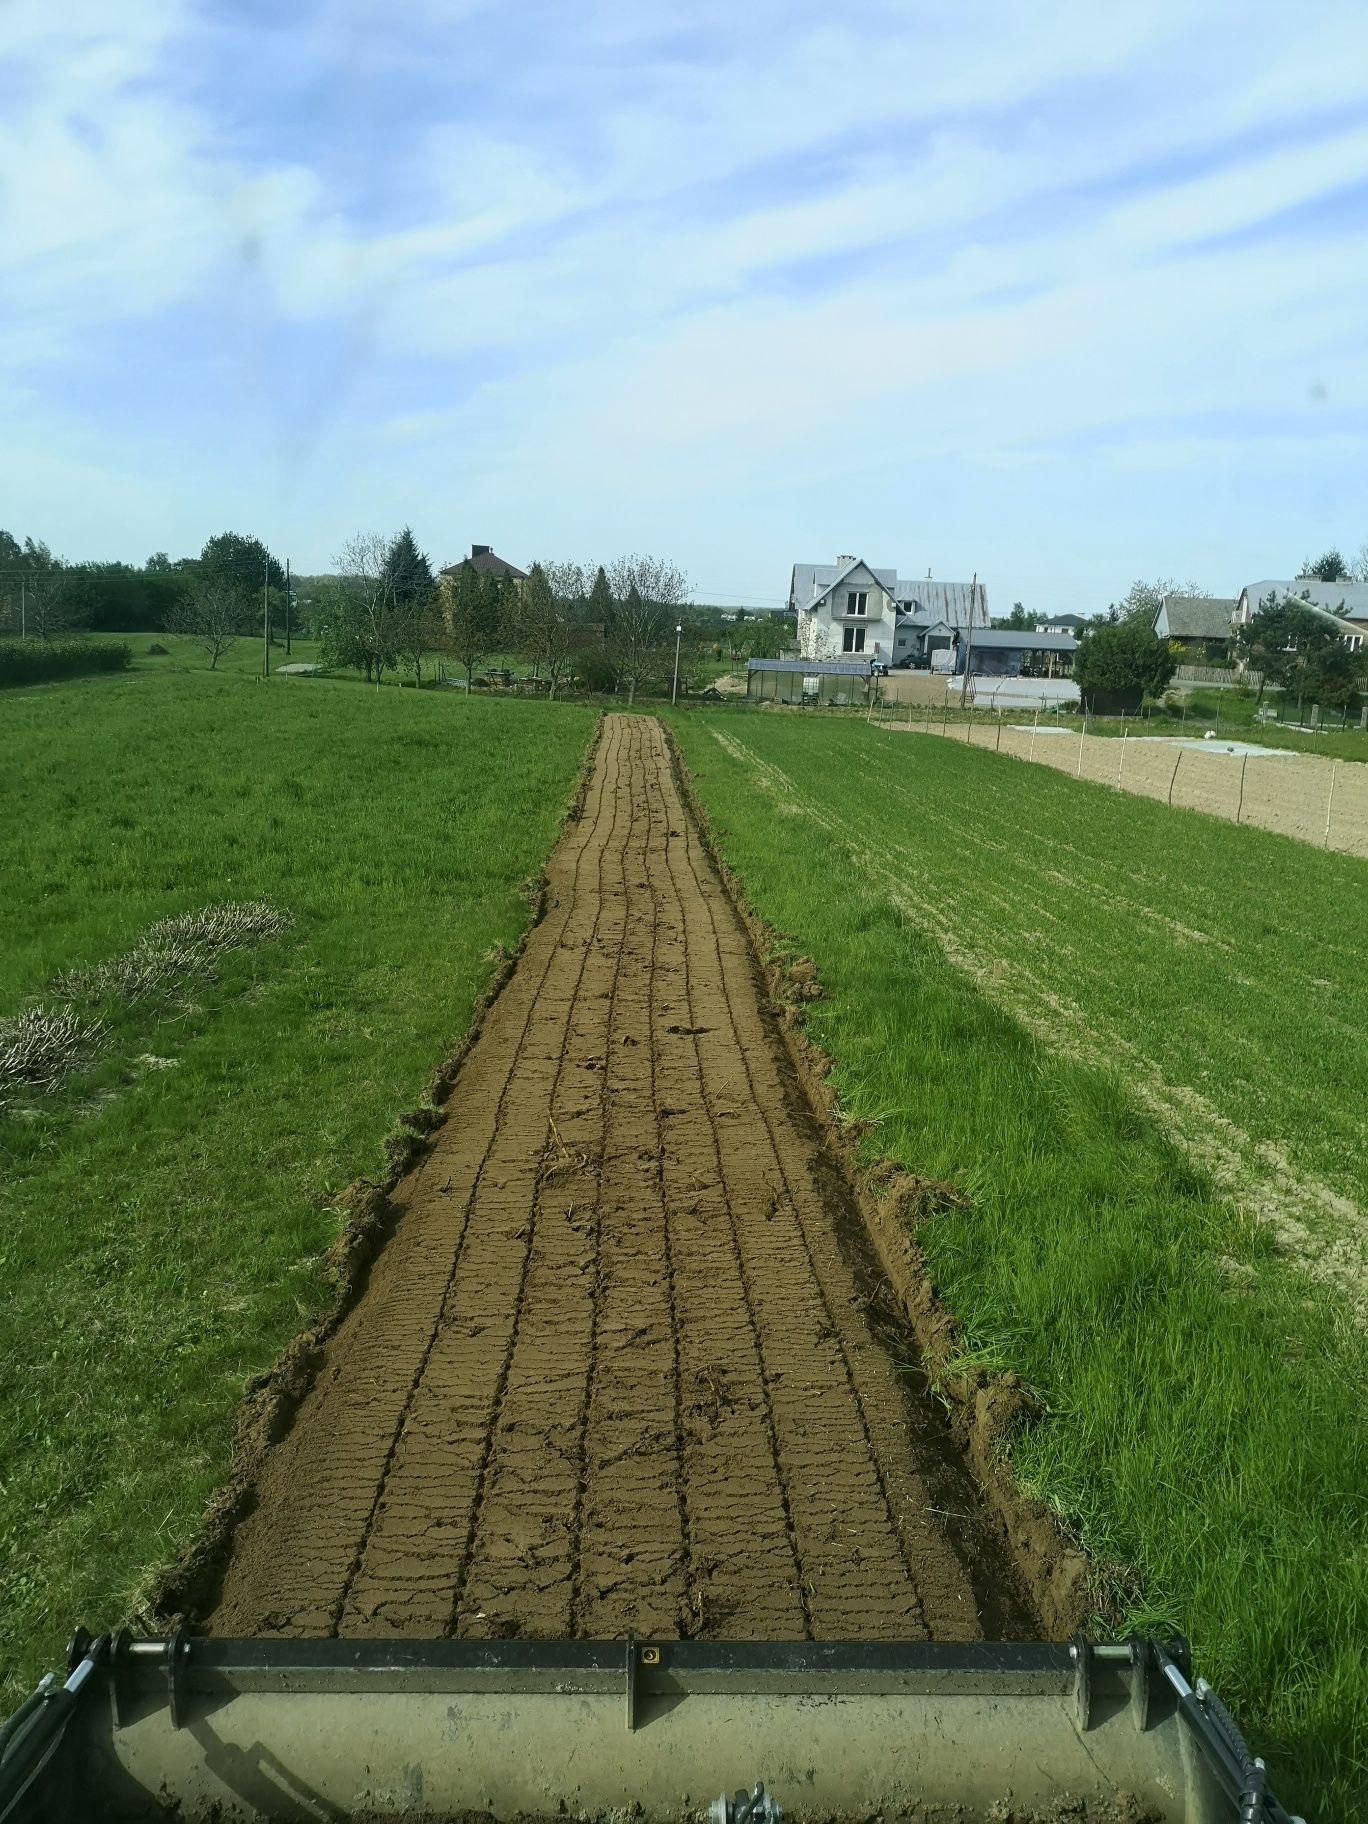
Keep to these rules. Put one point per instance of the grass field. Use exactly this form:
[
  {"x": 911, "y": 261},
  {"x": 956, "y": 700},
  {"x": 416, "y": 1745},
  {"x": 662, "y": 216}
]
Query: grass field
[
  {"x": 1134, "y": 1038},
  {"x": 161, "y": 1217}
]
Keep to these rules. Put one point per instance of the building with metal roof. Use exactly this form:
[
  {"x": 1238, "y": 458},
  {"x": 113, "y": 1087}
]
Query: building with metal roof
[
  {"x": 855, "y": 607},
  {"x": 839, "y": 682}
]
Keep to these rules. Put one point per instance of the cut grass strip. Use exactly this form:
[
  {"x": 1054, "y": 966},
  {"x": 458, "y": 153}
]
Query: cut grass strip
[
  {"x": 1205, "y": 1401},
  {"x": 161, "y": 1221}
]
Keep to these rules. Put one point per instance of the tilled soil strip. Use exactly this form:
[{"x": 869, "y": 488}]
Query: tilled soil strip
[{"x": 615, "y": 1368}]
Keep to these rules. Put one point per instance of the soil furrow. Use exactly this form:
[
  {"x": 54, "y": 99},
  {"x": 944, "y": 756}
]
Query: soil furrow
[{"x": 615, "y": 1369}]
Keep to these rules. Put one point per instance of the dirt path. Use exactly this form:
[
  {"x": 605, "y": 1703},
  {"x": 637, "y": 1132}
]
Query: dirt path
[{"x": 615, "y": 1368}]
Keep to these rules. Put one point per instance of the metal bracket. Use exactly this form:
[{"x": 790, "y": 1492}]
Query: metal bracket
[
  {"x": 1080, "y": 1651},
  {"x": 631, "y": 1682},
  {"x": 1141, "y": 1666},
  {"x": 177, "y": 1652}
]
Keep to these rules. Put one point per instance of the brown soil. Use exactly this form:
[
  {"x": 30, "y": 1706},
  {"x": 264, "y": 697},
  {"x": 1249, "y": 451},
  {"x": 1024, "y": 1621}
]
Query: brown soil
[{"x": 626, "y": 1360}]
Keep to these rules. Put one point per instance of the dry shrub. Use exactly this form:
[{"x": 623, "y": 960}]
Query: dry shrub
[
  {"x": 176, "y": 950},
  {"x": 41, "y": 1046}
]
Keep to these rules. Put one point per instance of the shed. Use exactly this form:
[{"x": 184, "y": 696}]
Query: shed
[
  {"x": 1196, "y": 620},
  {"x": 812, "y": 681},
  {"x": 1014, "y": 653}
]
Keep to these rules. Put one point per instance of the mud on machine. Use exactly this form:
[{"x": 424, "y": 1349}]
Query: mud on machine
[{"x": 743, "y": 1733}]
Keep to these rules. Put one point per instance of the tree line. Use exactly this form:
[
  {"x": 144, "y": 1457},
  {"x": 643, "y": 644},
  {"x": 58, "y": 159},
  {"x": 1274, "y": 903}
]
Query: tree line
[
  {"x": 612, "y": 626},
  {"x": 226, "y": 590}
]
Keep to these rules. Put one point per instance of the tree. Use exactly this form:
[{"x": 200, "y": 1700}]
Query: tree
[
  {"x": 48, "y": 606},
  {"x": 1123, "y": 656},
  {"x": 212, "y": 615},
  {"x": 471, "y": 613},
  {"x": 550, "y": 618},
  {"x": 407, "y": 570},
  {"x": 1018, "y": 620},
  {"x": 648, "y": 598},
  {"x": 600, "y": 606},
  {"x": 242, "y": 560},
  {"x": 357, "y": 622},
  {"x": 158, "y": 561},
  {"x": 1295, "y": 647},
  {"x": 1329, "y": 567},
  {"x": 766, "y": 636},
  {"x": 1142, "y": 600},
  {"x": 416, "y": 628}
]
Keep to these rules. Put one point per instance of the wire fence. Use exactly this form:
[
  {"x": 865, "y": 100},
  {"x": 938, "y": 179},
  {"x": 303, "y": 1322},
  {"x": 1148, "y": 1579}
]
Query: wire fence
[{"x": 1314, "y": 799}]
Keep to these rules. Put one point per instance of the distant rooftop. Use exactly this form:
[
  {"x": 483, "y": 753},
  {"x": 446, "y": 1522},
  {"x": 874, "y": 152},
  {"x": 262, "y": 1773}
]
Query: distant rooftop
[{"x": 487, "y": 561}]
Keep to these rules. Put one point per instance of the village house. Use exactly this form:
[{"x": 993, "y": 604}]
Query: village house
[
  {"x": 851, "y": 610},
  {"x": 1200, "y": 624},
  {"x": 487, "y": 561}
]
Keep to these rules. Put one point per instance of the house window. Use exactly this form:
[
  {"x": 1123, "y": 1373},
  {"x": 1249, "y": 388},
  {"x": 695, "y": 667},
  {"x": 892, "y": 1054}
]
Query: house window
[
  {"x": 857, "y": 601},
  {"x": 853, "y": 639}
]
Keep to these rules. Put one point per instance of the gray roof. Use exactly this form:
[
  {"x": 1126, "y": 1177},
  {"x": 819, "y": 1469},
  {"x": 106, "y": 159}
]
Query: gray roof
[
  {"x": 1006, "y": 639},
  {"x": 959, "y": 603},
  {"x": 813, "y": 668},
  {"x": 1198, "y": 617},
  {"x": 1350, "y": 599},
  {"x": 811, "y": 581},
  {"x": 1061, "y": 620}
]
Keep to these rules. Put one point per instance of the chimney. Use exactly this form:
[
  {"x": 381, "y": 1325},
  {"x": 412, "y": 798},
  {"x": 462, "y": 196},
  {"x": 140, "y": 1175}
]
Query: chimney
[
  {"x": 846, "y": 558},
  {"x": 480, "y": 550}
]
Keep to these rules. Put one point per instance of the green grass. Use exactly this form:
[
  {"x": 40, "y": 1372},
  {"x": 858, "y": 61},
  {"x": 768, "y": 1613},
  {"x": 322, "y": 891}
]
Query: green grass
[
  {"x": 1032, "y": 986},
  {"x": 161, "y": 1227}
]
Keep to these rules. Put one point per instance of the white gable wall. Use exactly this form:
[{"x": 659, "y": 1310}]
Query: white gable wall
[{"x": 822, "y": 624}]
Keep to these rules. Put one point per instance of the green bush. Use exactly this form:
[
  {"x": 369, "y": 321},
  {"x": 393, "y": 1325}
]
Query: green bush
[{"x": 39, "y": 661}]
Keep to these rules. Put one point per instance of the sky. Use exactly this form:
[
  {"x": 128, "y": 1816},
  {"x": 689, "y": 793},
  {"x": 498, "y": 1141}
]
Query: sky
[{"x": 1059, "y": 296}]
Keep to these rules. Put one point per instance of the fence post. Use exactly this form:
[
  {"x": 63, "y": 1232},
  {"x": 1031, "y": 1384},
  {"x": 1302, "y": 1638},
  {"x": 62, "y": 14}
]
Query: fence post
[
  {"x": 1177, "y": 763},
  {"x": 1240, "y": 806},
  {"x": 909, "y": 715},
  {"x": 1121, "y": 764},
  {"x": 998, "y": 743},
  {"x": 1078, "y": 770},
  {"x": 1330, "y": 801}
]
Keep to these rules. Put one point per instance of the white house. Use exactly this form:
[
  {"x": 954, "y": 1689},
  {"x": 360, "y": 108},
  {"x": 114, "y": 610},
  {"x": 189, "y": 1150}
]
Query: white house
[{"x": 850, "y": 609}]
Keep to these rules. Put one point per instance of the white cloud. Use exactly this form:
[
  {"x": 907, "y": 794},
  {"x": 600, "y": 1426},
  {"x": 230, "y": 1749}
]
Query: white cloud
[{"x": 759, "y": 253}]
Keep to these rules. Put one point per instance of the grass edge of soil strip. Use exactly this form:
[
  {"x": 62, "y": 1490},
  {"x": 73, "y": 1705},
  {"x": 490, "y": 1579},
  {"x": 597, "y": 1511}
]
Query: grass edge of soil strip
[
  {"x": 169, "y": 1242},
  {"x": 1201, "y": 1426}
]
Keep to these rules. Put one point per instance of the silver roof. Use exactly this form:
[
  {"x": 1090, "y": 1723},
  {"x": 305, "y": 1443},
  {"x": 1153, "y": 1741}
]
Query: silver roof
[
  {"x": 1008, "y": 638},
  {"x": 813, "y": 668},
  {"x": 962, "y": 604},
  {"x": 1335, "y": 598}
]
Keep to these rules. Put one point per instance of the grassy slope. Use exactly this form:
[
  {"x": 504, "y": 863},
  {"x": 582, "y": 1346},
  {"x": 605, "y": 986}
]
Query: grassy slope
[
  {"x": 159, "y": 1247},
  {"x": 1206, "y": 1410}
]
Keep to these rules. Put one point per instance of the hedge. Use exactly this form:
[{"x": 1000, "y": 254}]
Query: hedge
[{"x": 38, "y": 661}]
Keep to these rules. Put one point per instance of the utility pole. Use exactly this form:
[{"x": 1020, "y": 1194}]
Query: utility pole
[
  {"x": 287, "y": 607},
  {"x": 967, "y": 692},
  {"x": 266, "y": 621},
  {"x": 23, "y": 607},
  {"x": 674, "y": 688}
]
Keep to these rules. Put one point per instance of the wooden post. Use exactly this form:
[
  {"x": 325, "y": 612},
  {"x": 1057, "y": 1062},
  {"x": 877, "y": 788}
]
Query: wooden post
[
  {"x": 1082, "y": 735},
  {"x": 1121, "y": 764},
  {"x": 1240, "y": 806},
  {"x": 1330, "y": 801},
  {"x": 998, "y": 743},
  {"x": 1177, "y": 763}
]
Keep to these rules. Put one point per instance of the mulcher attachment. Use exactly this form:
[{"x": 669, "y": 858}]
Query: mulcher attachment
[{"x": 333, "y": 1729}]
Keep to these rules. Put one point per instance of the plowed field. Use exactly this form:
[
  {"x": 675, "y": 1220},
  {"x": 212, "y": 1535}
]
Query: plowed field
[{"x": 615, "y": 1369}]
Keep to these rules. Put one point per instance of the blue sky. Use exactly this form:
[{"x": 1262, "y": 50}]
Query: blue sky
[{"x": 1064, "y": 296}]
